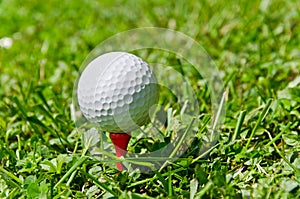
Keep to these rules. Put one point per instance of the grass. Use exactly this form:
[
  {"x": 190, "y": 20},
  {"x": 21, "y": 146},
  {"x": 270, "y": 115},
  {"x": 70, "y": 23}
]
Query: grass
[{"x": 255, "y": 44}]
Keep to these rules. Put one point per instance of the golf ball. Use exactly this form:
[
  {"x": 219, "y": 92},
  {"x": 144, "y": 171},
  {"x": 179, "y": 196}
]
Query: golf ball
[{"x": 116, "y": 90}]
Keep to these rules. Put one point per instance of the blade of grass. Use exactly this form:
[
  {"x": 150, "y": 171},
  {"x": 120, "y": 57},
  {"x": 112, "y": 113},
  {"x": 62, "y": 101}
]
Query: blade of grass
[
  {"x": 181, "y": 139},
  {"x": 40, "y": 94},
  {"x": 114, "y": 159},
  {"x": 20, "y": 106},
  {"x": 80, "y": 161},
  {"x": 151, "y": 179},
  {"x": 204, "y": 189},
  {"x": 140, "y": 196},
  {"x": 12, "y": 176},
  {"x": 217, "y": 118},
  {"x": 71, "y": 178},
  {"x": 282, "y": 156},
  {"x": 162, "y": 180},
  {"x": 99, "y": 184},
  {"x": 262, "y": 115},
  {"x": 179, "y": 143},
  {"x": 13, "y": 193},
  {"x": 146, "y": 159},
  {"x": 238, "y": 125},
  {"x": 205, "y": 153},
  {"x": 36, "y": 121},
  {"x": 205, "y": 121},
  {"x": 278, "y": 135},
  {"x": 193, "y": 188},
  {"x": 170, "y": 188}
]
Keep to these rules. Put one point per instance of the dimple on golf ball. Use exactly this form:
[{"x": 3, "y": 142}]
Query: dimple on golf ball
[{"x": 116, "y": 90}]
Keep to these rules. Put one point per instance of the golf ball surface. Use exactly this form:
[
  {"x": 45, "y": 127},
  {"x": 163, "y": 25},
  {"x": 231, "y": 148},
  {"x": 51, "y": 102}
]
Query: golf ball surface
[{"x": 116, "y": 90}]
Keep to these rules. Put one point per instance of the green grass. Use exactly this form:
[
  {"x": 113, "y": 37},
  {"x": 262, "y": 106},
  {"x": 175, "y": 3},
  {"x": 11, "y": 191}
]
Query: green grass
[{"x": 254, "y": 44}]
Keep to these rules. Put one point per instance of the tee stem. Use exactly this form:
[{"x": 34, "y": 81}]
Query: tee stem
[{"x": 120, "y": 141}]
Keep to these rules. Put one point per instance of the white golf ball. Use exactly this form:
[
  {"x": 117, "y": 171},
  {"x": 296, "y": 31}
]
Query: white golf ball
[{"x": 116, "y": 90}]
